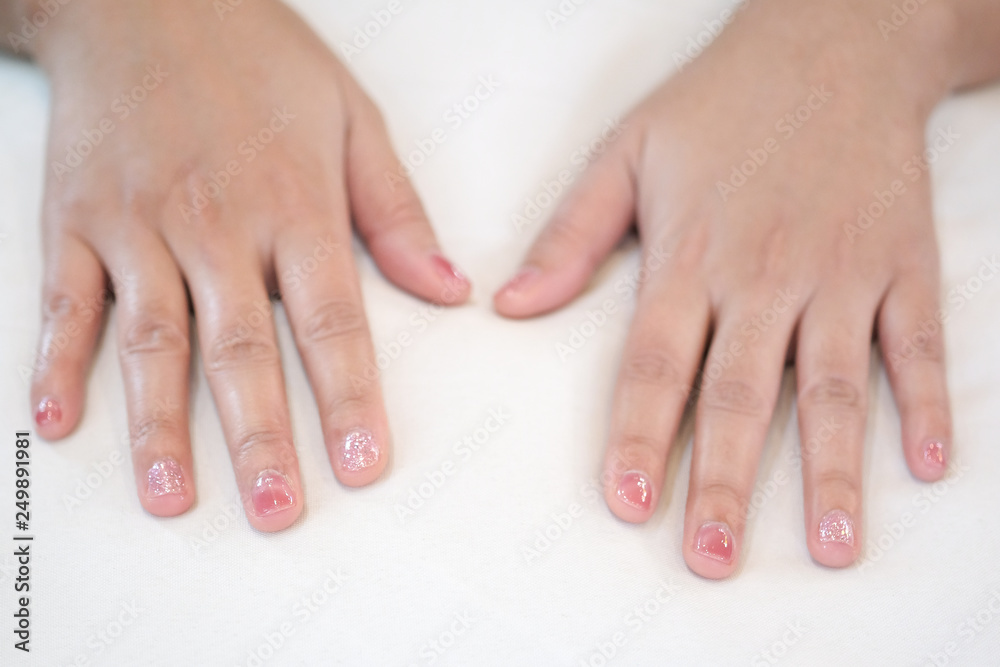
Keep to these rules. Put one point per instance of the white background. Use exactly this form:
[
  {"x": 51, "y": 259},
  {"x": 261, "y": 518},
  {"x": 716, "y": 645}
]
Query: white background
[{"x": 211, "y": 597}]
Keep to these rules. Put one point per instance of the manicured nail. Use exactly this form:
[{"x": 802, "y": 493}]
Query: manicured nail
[
  {"x": 271, "y": 493},
  {"x": 447, "y": 270},
  {"x": 836, "y": 526},
  {"x": 715, "y": 540},
  {"x": 521, "y": 280},
  {"x": 47, "y": 412},
  {"x": 359, "y": 451},
  {"x": 165, "y": 477},
  {"x": 635, "y": 489},
  {"x": 934, "y": 455}
]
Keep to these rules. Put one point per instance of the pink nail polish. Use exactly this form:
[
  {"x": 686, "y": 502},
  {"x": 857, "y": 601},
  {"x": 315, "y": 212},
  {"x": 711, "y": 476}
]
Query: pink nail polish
[
  {"x": 934, "y": 455},
  {"x": 165, "y": 477},
  {"x": 521, "y": 280},
  {"x": 359, "y": 451},
  {"x": 836, "y": 526},
  {"x": 271, "y": 493},
  {"x": 635, "y": 489},
  {"x": 715, "y": 540},
  {"x": 47, "y": 412},
  {"x": 447, "y": 270}
]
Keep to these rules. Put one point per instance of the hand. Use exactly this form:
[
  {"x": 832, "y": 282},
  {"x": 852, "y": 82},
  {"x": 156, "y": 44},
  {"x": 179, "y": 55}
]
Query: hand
[
  {"x": 226, "y": 157},
  {"x": 780, "y": 175}
]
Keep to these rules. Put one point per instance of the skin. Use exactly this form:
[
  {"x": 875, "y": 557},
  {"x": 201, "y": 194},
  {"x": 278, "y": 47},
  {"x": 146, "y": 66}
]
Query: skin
[
  {"x": 282, "y": 223},
  {"x": 772, "y": 269}
]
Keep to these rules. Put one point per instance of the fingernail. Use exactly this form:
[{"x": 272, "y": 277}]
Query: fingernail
[
  {"x": 934, "y": 455},
  {"x": 715, "y": 540},
  {"x": 47, "y": 412},
  {"x": 836, "y": 526},
  {"x": 165, "y": 477},
  {"x": 359, "y": 451},
  {"x": 521, "y": 280},
  {"x": 635, "y": 489},
  {"x": 271, "y": 493},
  {"x": 448, "y": 271}
]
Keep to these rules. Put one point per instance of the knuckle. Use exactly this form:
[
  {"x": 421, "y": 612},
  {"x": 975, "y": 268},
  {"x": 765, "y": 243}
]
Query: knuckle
[
  {"x": 725, "y": 494},
  {"x": 841, "y": 484},
  {"x": 153, "y": 426},
  {"x": 733, "y": 396},
  {"x": 266, "y": 442},
  {"x": 832, "y": 391},
  {"x": 151, "y": 335},
  {"x": 334, "y": 320},
  {"x": 239, "y": 346},
  {"x": 641, "y": 450},
  {"x": 651, "y": 367}
]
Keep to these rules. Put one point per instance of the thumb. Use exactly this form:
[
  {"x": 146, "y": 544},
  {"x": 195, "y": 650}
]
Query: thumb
[{"x": 583, "y": 230}]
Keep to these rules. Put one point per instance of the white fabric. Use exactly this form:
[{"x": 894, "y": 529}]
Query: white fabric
[{"x": 460, "y": 560}]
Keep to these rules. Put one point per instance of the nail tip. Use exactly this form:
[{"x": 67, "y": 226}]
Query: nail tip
[
  {"x": 47, "y": 411},
  {"x": 634, "y": 489},
  {"x": 165, "y": 478},
  {"x": 714, "y": 540},
  {"x": 836, "y": 527},
  {"x": 272, "y": 493}
]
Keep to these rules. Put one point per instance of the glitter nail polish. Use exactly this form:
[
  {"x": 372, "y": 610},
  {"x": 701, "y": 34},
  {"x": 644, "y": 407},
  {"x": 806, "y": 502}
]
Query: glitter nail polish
[
  {"x": 165, "y": 477},
  {"x": 635, "y": 489},
  {"x": 715, "y": 540},
  {"x": 836, "y": 526},
  {"x": 359, "y": 451}
]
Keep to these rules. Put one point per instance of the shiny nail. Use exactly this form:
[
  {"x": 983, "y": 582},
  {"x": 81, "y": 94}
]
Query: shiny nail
[
  {"x": 271, "y": 493},
  {"x": 359, "y": 451},
  {"x": 448, "y": 271},
  {"x": 47, "y": 412},
  {"x": 934, "y": 454},
  {"x": 165, "y": 477},
  {"x": 635, "y": 489},
  {"x": 836, "y": 526},
  {"x": 521, "y": 280},
  {"x": 715, "y": 540}
]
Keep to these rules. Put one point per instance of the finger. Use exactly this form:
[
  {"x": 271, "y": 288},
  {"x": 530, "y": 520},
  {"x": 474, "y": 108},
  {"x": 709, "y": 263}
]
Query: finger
[
  {"x": 661, "y": 358},
  {"x": 739, "y": 389},
  {"x": 240, "y": 353},
  {"x": 912, "y": 342},
  {"x": 154, "y": 351},
  {"x": 328, "y": 320},
  {"x": 389, "y": 215},
  {"x": 581, "y": 233},
  {"x": 833, "y": 351},
  {"x": 73, "y": 299}
]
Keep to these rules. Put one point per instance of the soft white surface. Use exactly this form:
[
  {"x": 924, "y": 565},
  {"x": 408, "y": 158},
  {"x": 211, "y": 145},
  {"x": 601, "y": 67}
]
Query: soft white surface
[{"x": 462, "y": 552}]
